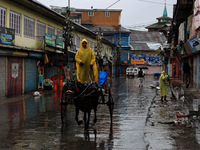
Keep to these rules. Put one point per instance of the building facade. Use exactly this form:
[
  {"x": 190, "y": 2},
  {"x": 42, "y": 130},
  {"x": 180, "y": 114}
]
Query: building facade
[
  {"x": 185, "y": 41},
  {"x": 31, "y": 45}
]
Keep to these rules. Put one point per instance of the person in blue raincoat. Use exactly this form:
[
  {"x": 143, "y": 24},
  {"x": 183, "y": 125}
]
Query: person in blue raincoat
[{"x": 163, "y": 84}]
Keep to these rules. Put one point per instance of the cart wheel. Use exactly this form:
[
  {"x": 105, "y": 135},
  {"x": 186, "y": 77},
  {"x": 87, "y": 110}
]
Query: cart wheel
[{"x": 110, "y": 104}]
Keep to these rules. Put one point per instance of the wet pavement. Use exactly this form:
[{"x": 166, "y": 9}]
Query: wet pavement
[
  {"x": 139, "y": 122},
  {"x": 164, "y": 130}
]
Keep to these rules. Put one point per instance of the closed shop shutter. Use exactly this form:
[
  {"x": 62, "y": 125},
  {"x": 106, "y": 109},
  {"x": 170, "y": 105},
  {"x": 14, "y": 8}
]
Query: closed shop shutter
[
  {"x": 51, "y": 71},
  {"x": 14, "y": 76},
  {"x": 30, "y": 74},
  {"x": 3, "y": 76}
]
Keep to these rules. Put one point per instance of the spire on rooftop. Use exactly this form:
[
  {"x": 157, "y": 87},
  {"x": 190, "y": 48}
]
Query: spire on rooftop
[{"x": 165, "y": 10}]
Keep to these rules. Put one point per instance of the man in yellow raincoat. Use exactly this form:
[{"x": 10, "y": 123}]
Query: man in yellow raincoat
[
  {"x": 163, "y": 84},
  {"x": 85, "y": 63}
]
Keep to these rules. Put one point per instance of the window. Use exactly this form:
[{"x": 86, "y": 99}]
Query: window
[
  {"x": 50, "y": 30},
  {"x": 40, "y": 30},
  {"x": 91, "y": 45},
  {"x": 59, "y": 32},
  {"x": 91, "y": 13},
  {"x": 29, "y": 27},
  {"x": 88, "y": 42},
  {"x": 107, "y": 14},
  {"x": 77, "y": 20},
  {"x": 78, "y": 42},
  {"x": 15, "y": 22},
  {"x": 73, "y": 39},
  {"x": 2, "y": 17}
]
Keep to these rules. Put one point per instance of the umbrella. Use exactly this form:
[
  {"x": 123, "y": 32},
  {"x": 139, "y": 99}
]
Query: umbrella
[{"x": 142, "y": 67}]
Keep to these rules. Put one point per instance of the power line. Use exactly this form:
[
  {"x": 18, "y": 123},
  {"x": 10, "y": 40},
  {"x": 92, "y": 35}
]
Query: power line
[
  {"x": 112, "y": 4},
  {"x": 155, "y": 2},
  {"x": 105, "y": 9}
]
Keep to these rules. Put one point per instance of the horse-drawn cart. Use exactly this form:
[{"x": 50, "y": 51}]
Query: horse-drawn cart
[{"x": 85, "y": 97}]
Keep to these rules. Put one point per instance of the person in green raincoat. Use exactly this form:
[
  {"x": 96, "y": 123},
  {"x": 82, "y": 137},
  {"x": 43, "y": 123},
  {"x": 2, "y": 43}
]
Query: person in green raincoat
[
  {"x": 163, "y": 84},
  {"x": 85, "y": 63}
]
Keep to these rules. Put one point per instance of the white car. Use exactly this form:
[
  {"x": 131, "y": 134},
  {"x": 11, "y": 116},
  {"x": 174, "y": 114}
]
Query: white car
[{"x": 132, "y": 71}]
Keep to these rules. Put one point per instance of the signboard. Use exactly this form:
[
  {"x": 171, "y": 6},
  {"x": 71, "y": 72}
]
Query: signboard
[
  {"x": 193, "y": 42},
  {"x": 74, "y": 16},
  {"x": 54, "y": 41},
  {"x": 187, "y": 48},
  {"x": 35, "y": 55},
  {"x": 50, "y": 40},
  {"x": 7, "y": 36},
  {"x": 59, "y": 41},
  {"x": 136, "y": 61}
]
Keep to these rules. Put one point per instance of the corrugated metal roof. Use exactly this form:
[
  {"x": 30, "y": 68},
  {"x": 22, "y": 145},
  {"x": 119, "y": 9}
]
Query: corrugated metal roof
[
  {"x": 154, "y": 46},
  {"x": 140, "y": 46},
  {"x": 143, "y": 40}
]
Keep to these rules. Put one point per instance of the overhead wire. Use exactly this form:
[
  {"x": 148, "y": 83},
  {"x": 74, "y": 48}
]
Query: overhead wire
[{"x": 155, "y": 2}]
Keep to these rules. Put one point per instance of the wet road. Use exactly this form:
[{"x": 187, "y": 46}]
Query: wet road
[{"x": 34, "y": 123}]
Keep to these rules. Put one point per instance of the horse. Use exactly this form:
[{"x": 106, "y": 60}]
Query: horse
[{"x": 85, "y": 97}]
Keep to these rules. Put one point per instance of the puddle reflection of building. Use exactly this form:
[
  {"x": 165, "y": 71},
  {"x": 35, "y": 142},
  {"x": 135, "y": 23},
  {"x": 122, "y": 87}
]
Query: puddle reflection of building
[{"x": 15, "y": 115}]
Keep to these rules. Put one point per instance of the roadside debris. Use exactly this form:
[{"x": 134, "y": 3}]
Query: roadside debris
[{"x": 36, "y": 93}]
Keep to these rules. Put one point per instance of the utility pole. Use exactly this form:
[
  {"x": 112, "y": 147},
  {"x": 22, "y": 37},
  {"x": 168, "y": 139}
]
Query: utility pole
[
  {"x": 99, "y": 37},
  {"x": 67, "y": 28},
  {"x": 119, "y": 53}
]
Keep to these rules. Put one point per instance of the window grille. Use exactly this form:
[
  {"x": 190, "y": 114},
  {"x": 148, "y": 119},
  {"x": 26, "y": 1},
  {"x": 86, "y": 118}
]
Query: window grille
[
  {"x": 2, "y": 17},
  {"x": 59, "y": 32},
  {"x": 91, "y": 45},
  {"x": 29, "y": 27},
  {"x": 77, "y": 42},
  {"x": 50, "y": 30},
  {"x": 15, "y": 22},
  {"x": 40, "y": 31},
  {"x": 107, "y": 14},
  {"x": 91, "y": 13}
]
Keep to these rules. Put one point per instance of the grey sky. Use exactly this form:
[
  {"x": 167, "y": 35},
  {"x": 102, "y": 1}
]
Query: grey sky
[{"x": 134, "y": 12}]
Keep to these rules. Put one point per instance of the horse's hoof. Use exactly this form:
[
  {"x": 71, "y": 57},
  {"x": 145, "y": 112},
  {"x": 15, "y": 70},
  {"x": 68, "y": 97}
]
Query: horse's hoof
[{"x": 80, "y": 122}]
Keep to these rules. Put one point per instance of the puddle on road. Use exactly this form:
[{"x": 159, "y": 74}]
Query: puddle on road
[{"x": 34, "y": 123}]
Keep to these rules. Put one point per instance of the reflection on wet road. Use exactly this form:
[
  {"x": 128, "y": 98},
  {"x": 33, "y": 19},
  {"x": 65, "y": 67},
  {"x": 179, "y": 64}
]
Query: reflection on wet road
[{"x": 35, "y": 123}]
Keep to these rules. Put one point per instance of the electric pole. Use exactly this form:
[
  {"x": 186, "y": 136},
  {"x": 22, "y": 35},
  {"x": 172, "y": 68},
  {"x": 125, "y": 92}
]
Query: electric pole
[
  {"x": 119, "y": 53},
  {"x": 67, "y": 28},
  {"x": 99, "y": 62}
]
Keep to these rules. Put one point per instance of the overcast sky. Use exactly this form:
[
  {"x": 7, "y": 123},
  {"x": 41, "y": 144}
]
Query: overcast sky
[{"x": 135, "y": 13}]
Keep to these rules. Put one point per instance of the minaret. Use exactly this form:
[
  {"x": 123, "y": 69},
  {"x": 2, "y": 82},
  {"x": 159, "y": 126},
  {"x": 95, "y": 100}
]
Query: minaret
[{"x": 165, "y": 10}]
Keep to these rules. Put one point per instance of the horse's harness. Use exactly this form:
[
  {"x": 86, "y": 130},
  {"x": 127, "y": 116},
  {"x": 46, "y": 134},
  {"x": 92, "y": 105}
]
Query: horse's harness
[{"x": 82, "y": 94}]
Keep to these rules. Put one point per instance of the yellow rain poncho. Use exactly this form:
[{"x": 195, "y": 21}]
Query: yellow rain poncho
[
  {"x": 163, "y": 83},
  {"x": 84, "y": 72}
]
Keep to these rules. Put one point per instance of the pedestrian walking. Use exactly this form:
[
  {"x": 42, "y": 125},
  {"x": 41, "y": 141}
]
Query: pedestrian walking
[
  {"x": 163, "y": 84},
  {"x": 186, "y": 72},
  {"x": 141, "y": 78},
  {"x": 86, "y": 63}
]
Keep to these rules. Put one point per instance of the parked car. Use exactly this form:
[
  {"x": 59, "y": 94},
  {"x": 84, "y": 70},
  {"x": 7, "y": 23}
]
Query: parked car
[{"x": 132, "y": 71}]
